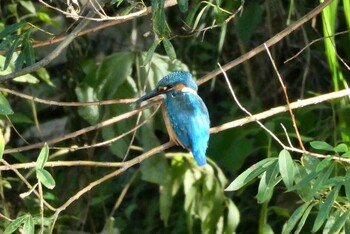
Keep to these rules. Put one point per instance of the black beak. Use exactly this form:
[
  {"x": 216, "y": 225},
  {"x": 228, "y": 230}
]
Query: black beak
[{"x": 149, "y": 95}]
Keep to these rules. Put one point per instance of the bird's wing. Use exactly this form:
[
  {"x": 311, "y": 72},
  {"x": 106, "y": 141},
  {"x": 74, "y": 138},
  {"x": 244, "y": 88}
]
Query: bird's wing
[{"x": 190, "y": 120}]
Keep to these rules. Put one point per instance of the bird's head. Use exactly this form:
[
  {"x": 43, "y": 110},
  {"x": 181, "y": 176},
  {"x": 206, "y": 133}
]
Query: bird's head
[{"x": 180, "y": 81}]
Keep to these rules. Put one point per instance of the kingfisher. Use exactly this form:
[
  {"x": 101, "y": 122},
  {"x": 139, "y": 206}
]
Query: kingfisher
[{"x": 185, "y": 115}]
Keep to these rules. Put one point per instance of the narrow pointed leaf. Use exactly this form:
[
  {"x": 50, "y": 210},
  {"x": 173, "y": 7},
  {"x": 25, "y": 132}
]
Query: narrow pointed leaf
[
  {"x": 347, "y": 184},
  {"x": 293, "y": 220},
  {"x": 45, "y": 178},
  {"x": 303, "y": 218},
  {"x": 267, "y": 183},
  {"x": 150, "y": 52},
  {"x": 250, "y": 174},
  {"x": 2, "y": 144},
  {"x": 169, "y": 48},
  {"x": 28, "y": 227},
  {"x": 286, "y": 166},
  {"x": 10, "y": 29},
  {"x": 325, "y": 163},
  {"x": 13, "y": 226},
  {"x": 42, "y": 158},
  {"x": 325, "y": 208},
  {"x": 10, "y": 52},
  {"x": 340, "y": 222},
  {"x": 29, "y": 53}
]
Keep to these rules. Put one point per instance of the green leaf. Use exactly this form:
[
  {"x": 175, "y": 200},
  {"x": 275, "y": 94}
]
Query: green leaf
[
  {"x": 5, "y": 108},
  {"x": 42, "y": 158},
  {"x": 10, "y": 52},
  {"x": 13, "y": 226},
  {"x": 169, "y": 48},
  {"x": 303, "y": 218},
  {"x": 2, "y": 144},
  {"x": 29, "y": 6},
  {"x": 325, "y": 163},
  {"x": 321, "y": 145},
  {"x": 45, "y": 178},
  {"x": 325, "y": 208},
  {"x": 150, "y": 52},
  {"x": 10, "y": 29},
  {"x": 292, "y": 221},
  {"x": 347, "y": 185},
  {"x": 346, "y": 155},
  {"x": 183, "y": 5},
  {"x": 267, "y": 182},
  {"x": 44, "y": 76},
  {"x": 286, "y": 166},
  {"x": 341, "y": 148},
  {"x": 28, "y": 227},
  {"x": 192, "y": 13},
  {"x": 233, "y": 217},
  {"x": 19, "y": 61},
  {"x": 7, "y": 41},
  {"x": 29, "y": 53},
  {"x": 250, "y": 174},
  {"x": 340, "y": 222},
  {"x": 87, "y": 94}
]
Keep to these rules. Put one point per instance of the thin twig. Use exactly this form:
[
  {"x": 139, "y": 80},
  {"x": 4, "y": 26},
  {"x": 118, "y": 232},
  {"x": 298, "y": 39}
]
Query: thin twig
[
  {"x": 279, "y": 36},
  {"x": 126, "y": 165},
  {"x": 246, "y": 111},
  {"x": 81, "y": 131},
  {"x": 281, "y": 109},
  {"x": 313, "y": 42},
  {"x": 287, "y": 98},
  {"x": 57, "y": 103},
  {"x": 57, "y": 51},
  {"x": 27, "y": 183}
]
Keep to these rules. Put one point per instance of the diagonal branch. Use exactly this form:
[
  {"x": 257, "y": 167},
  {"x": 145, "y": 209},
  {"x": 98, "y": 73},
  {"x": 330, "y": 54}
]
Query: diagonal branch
[{"x": 279, "y": 36}]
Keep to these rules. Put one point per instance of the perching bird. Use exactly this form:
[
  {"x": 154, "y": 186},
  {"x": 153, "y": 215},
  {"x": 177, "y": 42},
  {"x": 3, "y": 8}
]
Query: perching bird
[{"x": 185, "y": 114}]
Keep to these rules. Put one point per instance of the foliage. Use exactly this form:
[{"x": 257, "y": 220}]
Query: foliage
[{"x": 70, "y": 165}]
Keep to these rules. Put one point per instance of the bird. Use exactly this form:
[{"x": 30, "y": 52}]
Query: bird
[{"x": 185, "y": 114}]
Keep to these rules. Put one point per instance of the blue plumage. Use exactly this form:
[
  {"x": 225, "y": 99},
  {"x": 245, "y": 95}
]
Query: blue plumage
[{"x": 185, "y": 114}]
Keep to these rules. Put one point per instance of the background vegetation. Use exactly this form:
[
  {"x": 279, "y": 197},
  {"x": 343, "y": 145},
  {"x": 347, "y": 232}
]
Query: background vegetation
[{"x": 76, "y": 156}]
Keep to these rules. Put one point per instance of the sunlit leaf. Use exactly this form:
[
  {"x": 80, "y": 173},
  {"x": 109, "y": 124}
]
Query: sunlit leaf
[
  {"x": 5, "y": 108},
  {"x": 325, "y": 209},
  {"x": 29, "y": 6},
  {"x": 28, "y": 226},
  {"x": 341, "y": 148},
  {"x": 321, "y": 145},
  {"x": 233, "y": 217},
  {"x": 45, "y": 178},
  {"x": 250, "y": 174},
  {"x": 13, "y": 226},
  {"x": 42, "y": 158},
  {"x": 286, "y": 166}
]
